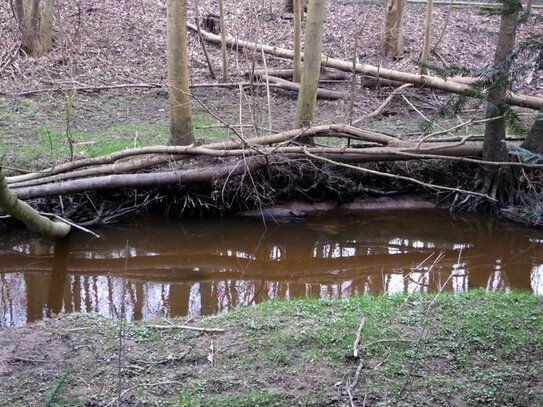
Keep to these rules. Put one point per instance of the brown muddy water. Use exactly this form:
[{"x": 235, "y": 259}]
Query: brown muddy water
[{"x": 157, "y": 267}]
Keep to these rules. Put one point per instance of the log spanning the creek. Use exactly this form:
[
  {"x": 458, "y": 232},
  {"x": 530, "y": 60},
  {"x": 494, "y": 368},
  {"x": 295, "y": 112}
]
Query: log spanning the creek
[{"x": 434, "y": 82}]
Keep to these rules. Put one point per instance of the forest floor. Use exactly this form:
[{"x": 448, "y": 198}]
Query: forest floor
[{"x": 472, "y": 349}]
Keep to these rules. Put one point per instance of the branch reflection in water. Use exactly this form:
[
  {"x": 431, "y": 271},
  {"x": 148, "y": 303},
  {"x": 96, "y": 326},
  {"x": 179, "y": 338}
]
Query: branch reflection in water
[{"x": 203, "y": 266}]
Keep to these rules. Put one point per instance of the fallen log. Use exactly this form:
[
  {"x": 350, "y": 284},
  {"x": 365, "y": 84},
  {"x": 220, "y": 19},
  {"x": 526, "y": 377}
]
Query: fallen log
[{"x": 449, "y": 85}]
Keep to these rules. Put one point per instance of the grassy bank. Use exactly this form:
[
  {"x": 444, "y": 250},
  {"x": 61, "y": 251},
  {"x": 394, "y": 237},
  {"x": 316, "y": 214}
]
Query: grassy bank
[{"x": 473, "y": 349}]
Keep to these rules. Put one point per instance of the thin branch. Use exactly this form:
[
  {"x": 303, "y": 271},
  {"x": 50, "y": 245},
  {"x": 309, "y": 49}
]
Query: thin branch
[
  {"x": 451, "y": 129},
  {"x": 357, "y": 338},
  {"x": 75, "y": 225}
]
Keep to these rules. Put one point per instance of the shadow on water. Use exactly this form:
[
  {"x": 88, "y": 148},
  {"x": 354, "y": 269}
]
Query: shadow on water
[{"x": 158, "y": 267}]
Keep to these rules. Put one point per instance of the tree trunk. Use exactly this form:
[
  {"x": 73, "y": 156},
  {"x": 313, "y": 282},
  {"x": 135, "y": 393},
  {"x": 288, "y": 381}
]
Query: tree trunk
[
  {"x": 527, "y": 11},
  {"x": 534, "y": 141},
  {"x": 392, "y": 38},
  {"x": 224, "y": 49},
  {"x": 46, "y": 27},
  {"x": 500, "y": 182},
  {"x": 297, "y": 74},
  {"x": 494, "y": 148},
  {"x": 35, "y": 25},
  {"x": 11, "y": 205},
  {"x": 307, "y": 97},
  {"x": 178, "y": 78},
  {"x": 427, "y": 37}
]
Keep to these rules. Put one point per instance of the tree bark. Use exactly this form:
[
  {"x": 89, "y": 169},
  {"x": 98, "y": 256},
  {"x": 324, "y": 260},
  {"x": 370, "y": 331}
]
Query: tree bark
[
  {"x": 427, "y": 37},
  {"x": 178, "y": 75},
  {"x": 11, "y": 205},
  {"x": 494, "y": 148},
  {"x": 392, "y": 42},
  {"x": 527, "y": 11},
  {"x": 307, "y": 97},
  {"x": 224, "y": 50},
  {"x": 297, "y": 61},
  {"x": 35, "y": 24}
]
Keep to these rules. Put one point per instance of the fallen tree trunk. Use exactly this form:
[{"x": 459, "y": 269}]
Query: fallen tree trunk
[{"x": 371, "y": 70}]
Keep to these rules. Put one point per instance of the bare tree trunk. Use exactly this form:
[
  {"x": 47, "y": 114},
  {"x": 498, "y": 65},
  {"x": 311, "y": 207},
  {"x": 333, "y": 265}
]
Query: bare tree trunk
[
  {"x": 307, "y": 97},
  {"x": 392, "y": 37},
  {"x": 178, "y": 78},
  {"x": 527, "y": 11},
  {"x": 35, "y": 24},
  {"x": 494, "y": 148},
  {"x": 297, "y": 71},
  {"x": 427, "y": 37},
  {"x": 11, "y": 205},
  {"x": 46, "y": 27},
  {"x": 202, "y": 41},
  {"x": 224, "y": 49},
  {"x": 500, "y": 182},
  {"x": 469, "y": 16}
]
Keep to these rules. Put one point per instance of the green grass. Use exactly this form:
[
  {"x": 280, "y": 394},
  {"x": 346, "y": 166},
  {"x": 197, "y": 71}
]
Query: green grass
[
  {"x": 480, "y": 346},
  {"x": 49, "y": 144},
  {"x": 470, "y": 349},
  {"x": 194, "y": 398}
]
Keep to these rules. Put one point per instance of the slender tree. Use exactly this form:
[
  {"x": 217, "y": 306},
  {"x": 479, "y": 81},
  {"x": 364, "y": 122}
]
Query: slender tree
[
  {"x": 297, "y": 68},
  {"x": 35, "y": 20},
  {"x": 178, "y": 75},
  {"x": 224, "y": 48},
  {"x": 500, "y": 182},
  {"x": 527, "y": 11},
  {"x": 392, "y": 42},
  {"x": 10, "y": 204},
  {"x": 427, "y": 37},
  {"x": 494, "y": 148},
  {"x": 307, "y": 96}
]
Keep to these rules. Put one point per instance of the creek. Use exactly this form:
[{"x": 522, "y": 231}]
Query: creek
[{"x": 156, "y": 267}]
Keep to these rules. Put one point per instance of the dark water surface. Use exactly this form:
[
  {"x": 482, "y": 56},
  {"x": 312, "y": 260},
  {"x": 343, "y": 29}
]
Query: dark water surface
[{"x": 158, "y": 267}]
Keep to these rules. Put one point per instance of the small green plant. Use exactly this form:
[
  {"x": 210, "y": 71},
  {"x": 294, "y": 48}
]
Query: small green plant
[{"x": 56, "y": 398}]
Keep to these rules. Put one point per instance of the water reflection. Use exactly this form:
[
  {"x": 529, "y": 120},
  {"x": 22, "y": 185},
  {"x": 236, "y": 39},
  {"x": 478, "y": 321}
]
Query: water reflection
[{"x": 202, "y": 267}]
